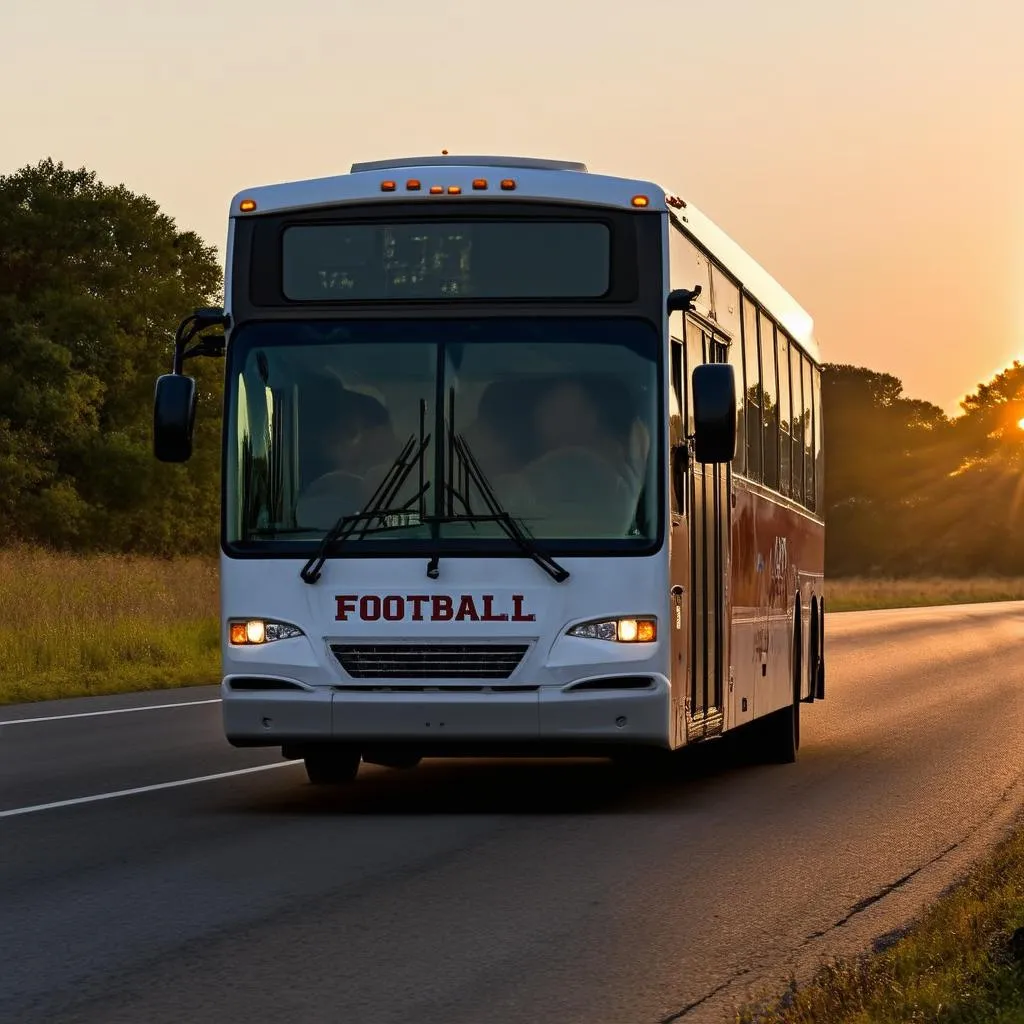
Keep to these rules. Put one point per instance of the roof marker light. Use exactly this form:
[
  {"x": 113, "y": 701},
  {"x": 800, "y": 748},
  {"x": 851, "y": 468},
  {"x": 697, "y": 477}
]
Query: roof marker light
[
  {"x": 388, "y": 186},
  {"x": 247, "y": 205},
  {"x": 508, "y": 185},
  {"x": 436, "y": 190},
  {"x": 413, "y": 185},
  {"x": 454, "y": 190},
  {"x": 479, "y": 184},
  {"x": 641, "y": 201}
]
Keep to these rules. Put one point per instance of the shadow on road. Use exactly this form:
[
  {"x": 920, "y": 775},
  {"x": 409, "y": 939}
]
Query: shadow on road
[{"x": 513, "y": 786}]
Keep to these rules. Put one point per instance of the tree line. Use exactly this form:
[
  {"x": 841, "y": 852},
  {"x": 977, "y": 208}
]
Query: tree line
[{"x": 95, "y": 278}]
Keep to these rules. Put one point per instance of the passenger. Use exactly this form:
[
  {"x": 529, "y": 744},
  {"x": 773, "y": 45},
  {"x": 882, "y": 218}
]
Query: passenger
[
  {"x": 581, "y": 483},
  {"x": 344, "y": 437},
  {"x": 590, "y": 413},
  {"x": 498, "y": 435}
]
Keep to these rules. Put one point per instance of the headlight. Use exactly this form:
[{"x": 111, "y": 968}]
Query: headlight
[
  {"x": 247, "y": 632},
  {"x": 623, "y": 631}
]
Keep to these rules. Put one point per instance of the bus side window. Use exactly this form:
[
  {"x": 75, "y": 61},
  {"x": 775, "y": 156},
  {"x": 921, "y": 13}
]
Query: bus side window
[
  {"x": 803, "y": 431},
  {"x": 786, "y": 474},
  {"x": 696, "y": 354},
  {"x": 819, "y": 475},
  {"x": 739, "y": 463},
  {"x": 752, "y": 383},
  {"x": 769, "y": 401},
  {"x": 796, "y": 377},
  {"x": 677, "y": 418}
]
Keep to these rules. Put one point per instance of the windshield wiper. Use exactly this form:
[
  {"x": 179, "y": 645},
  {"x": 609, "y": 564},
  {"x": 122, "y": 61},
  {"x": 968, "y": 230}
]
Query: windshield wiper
[
  {"x": 376, "y": 508},
  {"x": 511, "y": 526}
]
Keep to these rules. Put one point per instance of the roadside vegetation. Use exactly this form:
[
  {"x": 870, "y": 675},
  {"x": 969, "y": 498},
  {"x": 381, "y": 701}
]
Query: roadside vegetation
[
  {"x": 862, "y": 594},
  {"x": 85, "y": 624},
  {"x": 962, "y": 963}
]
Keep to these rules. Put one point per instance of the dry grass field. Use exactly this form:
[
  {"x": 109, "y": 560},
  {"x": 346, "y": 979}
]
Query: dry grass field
[
  {"x": 849, "y": 595},
  {"x": 73, "y": 625}
]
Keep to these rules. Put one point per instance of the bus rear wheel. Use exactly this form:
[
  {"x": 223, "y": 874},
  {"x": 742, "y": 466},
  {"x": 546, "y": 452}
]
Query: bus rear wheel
[{"x": 332, "y": 766}]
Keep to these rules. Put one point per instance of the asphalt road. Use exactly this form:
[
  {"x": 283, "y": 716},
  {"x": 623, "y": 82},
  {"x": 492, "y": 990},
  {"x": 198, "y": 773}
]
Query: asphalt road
[{"x": 499, "y": 891}]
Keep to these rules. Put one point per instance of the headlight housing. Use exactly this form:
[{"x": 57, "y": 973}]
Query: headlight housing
[
  {"x": 634, "y": 630},
  {"x": 254, "y": 632}
]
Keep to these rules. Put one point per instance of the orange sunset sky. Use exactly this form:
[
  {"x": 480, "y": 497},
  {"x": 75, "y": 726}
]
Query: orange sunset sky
[{"x": 870, "y": 154}]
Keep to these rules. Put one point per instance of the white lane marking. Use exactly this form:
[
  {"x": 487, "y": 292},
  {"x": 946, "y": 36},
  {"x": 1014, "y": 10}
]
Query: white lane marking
[
  {"x": 111, "y": 711},
  {"x": 15, "y": 811}
]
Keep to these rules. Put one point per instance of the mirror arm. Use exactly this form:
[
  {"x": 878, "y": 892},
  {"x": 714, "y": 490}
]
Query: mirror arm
[
  {"x": 680, "y": 300},
  {"x": 200, "y": 320}
]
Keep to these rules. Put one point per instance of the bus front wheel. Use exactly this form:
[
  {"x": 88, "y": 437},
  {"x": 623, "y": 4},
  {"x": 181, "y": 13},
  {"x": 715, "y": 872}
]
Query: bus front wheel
[{"x": 332, "y": 766}]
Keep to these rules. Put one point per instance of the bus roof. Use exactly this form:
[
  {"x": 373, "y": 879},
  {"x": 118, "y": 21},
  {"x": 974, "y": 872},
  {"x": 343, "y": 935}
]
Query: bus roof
[
  {"x": 754, "y": 278},
  {"x": 559, "y": 180}
]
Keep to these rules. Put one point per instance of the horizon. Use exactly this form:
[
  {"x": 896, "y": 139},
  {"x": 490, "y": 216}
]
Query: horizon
[{"x": 869, "y": 159}]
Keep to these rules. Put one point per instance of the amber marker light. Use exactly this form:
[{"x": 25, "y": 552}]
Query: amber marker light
[
  {"x": 641, "y": 201},
  {"x": 238, "y": 633},
  {"x": 413, "y": 185},
  {"x": 508, "y": 185},
  {"x": 436, "y": 190},
  {"x": 388, "y": 186},
  {"x": 479, "y": 184},
  {"x": 454, "y": 190},
  {"x": 247, "y": 205}
]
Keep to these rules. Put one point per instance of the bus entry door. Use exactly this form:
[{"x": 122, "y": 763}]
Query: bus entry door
[{"x": 710, "y": 525}]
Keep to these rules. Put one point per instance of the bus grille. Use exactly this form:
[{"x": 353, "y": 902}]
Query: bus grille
[{"x": 429, "y": 661}]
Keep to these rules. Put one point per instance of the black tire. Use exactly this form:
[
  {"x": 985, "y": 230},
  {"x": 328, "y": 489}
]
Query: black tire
[
  {"x": 819, "y": 675},
  {"x": 398, "y": 761},
  {"x": 332, "y": 766}
]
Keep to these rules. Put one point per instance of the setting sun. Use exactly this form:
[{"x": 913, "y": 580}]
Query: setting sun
[{"x": 1020, "y": 423}]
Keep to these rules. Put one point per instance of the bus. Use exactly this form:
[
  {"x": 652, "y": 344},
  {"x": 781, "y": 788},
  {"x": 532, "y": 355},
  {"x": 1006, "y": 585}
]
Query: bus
[{"x": 518, "y": 460}]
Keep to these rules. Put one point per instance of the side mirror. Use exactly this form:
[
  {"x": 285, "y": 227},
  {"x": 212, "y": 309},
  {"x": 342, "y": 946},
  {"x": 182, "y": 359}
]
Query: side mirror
[
  {"x": 174, "y": 415},
  {"x": 714, "y": 413}
]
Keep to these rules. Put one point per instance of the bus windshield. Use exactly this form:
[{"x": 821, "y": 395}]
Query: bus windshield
[{"x": 559, "y": 415}]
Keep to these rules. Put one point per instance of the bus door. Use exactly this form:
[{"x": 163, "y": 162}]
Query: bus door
[{"x": 710, "y": 531}]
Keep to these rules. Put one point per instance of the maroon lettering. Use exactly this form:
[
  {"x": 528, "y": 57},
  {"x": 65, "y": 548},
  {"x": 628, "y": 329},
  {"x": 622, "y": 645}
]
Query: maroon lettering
[
  {"x": 442, "y": 608},
  {"x": 346, "y": 605},
  {"x": 417, "y": 601},
  {"x": 489, "y": 614},
  {"x": 517, "y": 610},
  {"x": 369, "y": 608},
  {"x": 467, "y": 610},
  {"x": 394, "y": 608}
]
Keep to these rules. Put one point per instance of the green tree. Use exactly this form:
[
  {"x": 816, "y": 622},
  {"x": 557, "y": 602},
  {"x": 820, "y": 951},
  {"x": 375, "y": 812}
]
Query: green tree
[
  {"x": 881, "y": 452},
  {"x": 93, "y": 281}
]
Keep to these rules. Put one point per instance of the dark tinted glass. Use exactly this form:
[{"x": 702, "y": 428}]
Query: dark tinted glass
[{"x": 442, "y": 259}]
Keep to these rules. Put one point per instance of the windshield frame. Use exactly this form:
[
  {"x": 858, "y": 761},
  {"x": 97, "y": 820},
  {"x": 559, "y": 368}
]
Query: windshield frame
[{"x": 448, "y": 547}]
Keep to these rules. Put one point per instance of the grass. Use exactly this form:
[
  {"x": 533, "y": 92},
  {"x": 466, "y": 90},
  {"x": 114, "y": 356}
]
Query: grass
[
  {"x": 962, "y": 963},
  {"x": 74, "y": 625},
  {"x": 862, "y": 594}
]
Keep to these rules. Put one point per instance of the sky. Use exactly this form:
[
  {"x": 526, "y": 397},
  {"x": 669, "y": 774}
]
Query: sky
[{"x": 869, "y": 153}]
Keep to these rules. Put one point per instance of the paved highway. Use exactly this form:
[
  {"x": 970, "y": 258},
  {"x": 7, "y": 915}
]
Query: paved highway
[{"x": 511, "y": 892}]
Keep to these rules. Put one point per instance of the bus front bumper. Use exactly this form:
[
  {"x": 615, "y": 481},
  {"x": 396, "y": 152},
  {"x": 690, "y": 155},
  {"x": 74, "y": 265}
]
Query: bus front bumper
[{"x": 547, "y": 716}]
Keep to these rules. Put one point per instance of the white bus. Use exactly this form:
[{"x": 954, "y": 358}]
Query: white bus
[{"x": 482, "y": 491}]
